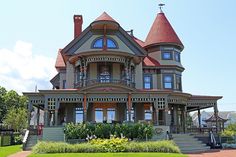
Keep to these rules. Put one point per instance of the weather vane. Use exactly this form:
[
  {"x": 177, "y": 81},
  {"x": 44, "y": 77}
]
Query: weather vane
[{"x": 161, "y": 6}]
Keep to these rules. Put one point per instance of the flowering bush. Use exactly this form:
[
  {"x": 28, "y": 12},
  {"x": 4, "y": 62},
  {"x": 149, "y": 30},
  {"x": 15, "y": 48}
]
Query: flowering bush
[{"x": 114, "y": 144}]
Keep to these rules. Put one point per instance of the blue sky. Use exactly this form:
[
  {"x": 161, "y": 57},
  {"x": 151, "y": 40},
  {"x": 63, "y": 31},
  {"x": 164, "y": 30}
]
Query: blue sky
[{"x": 40, "y": 28}]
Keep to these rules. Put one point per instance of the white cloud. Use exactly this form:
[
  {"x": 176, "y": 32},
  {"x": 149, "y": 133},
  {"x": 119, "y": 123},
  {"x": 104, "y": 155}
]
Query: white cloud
[{"x": 22, "y": 70}]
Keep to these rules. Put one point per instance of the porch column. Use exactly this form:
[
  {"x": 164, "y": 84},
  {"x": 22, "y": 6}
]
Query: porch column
[
  {"x": 199, "y": 119},
  {"x": 56, "y": 112},
  {"x": 38, "y": 115},
  {"x": 85, "y": 108},
  {"x": 156, "y": 113},
  {"x": 175, "y": 114},
  {"x": 185, "y": 118},
  {"x": 129, "y": 106},
  {"x": 216, "y": 116},
  {"x": 85, "y": 72},
  {"x": 46, "y": 112},
  {"x": 167, "y": 121},
  {"x": 30, "y": 106}
]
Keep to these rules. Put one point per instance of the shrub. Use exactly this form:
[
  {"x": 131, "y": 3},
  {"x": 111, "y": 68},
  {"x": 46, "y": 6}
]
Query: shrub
[
  {"x": 155, "y": 146},
  {"x": 114, "y": 144},
  {"x": 230, "y": 130},
  {"x": 106, "y": 145},
  {"x": 129, "y": 130}
]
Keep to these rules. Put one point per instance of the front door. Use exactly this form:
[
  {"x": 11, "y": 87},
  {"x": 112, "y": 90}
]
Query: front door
[{"x": 104, "y": 112}]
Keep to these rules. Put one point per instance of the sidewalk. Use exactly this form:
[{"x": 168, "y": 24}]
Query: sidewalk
[
  {"x": 220, "y": 153},
  {"x": 21, "y": 154}
]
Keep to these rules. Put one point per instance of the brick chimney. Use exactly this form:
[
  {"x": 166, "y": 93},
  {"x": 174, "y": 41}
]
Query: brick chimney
[{"x": 78, "y": 21}]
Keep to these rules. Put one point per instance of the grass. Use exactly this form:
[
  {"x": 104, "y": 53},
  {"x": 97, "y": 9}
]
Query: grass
[
  {"x": 8, "y": 150},
  {"x": 109, "y": 155}
]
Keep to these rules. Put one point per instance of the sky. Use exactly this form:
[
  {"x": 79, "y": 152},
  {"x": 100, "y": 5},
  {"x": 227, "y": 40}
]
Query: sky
[{"x": 31, "y": 32}]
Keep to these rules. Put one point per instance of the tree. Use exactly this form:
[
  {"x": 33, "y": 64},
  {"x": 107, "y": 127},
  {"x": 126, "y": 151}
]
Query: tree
[
  {"x": 10, "y": 99},
  {"x": 189, "y": 120},
  {"x": 3, "y": 109},
  {"x": 16, "y": 118}
]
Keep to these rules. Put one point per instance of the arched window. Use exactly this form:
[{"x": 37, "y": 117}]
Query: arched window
[
  {"x": 111, "y": 43},
  {"x": 99, "y": 42}
]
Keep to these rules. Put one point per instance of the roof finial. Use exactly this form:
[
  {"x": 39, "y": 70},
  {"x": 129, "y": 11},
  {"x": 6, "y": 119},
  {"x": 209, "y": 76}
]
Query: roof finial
[{"x": 161, "y": 6}]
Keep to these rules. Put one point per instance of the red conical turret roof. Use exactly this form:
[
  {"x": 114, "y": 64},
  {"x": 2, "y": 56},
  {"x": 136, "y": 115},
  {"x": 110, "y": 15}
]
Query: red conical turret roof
[
  {"x": 105, "y": 17},
  {"x": 162, "y": 32}
]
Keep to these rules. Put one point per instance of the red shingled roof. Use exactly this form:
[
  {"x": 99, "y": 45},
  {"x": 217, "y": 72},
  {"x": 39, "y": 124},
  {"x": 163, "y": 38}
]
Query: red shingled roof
[
  {"x": 105, "y": 17},
  {"x": 162, "y": 32},
  {"x": 140, "y": 42},
  {"x": 149, "y": 61},
  {"x": 60, "y": 62}
]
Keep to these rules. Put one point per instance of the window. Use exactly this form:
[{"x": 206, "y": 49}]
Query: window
[
  {"x": 111, "y": 43},
  {"x": 99, "y": 115},
  {"x": 177, "y": 56},
  {"x": 99, "y": 43},
  {"x": 167, "y": 55},
  {"x": 79, "y": 114},
  {"x": 64, "y": 84},
  {"x": 147, "y": 82},
  {"x": 168, "y": 81},
  {"x": 147, "y": 112},
  {"x": 111, "y": 113},
  {"x": 178, "y": 83},
  {"x": 104, "y": 73},
  {"x": 132, "y": 116}
]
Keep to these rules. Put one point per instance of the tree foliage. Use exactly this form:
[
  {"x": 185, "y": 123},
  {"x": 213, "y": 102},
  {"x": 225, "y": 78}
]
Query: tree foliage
[
  {"x": 16, "y": 118},
  {"x": 230, "y": 130},
  {"x": 10, "y": 99}
]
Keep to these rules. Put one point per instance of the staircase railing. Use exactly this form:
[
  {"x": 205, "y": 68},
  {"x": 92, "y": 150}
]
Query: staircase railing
[{"x": 25, "y": 139}]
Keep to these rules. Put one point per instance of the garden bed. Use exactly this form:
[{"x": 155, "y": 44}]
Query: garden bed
[{"x": 107, "y": 145}]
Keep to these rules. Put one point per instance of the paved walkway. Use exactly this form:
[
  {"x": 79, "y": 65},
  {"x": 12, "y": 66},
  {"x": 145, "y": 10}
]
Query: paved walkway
[
  {"x": 220, "y": 153},
  {"x": 21, "y": 154}
]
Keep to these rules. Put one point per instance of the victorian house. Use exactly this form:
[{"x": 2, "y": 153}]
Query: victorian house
[{"x": 106, "y": 74}]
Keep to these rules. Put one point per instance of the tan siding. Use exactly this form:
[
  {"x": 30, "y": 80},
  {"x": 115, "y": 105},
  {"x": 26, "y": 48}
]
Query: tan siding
[
  {"x": 69, "y": 75},
  {"x": 116, "y": 71},
  {"x": 159, "y": 81},
  {"x": 154, "y": 81},
  {"x": 62, "y": 77},
  {"x": 93, "y": 70},
  {"x": 139, "y": 76}
]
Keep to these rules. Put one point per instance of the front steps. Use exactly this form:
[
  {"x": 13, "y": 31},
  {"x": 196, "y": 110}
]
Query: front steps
[
  {"x": 31, "y": 141},
  {"x": 189, "y": 144}
]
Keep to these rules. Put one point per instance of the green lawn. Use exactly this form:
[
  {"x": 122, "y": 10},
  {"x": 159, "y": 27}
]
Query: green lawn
[
  {"x": 109, "y": 155},
  {"x": 7, "y": 150}
]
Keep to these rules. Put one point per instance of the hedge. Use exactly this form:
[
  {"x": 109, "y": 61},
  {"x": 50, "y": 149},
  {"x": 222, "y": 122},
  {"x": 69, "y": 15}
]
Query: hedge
[{"x": 59, "y": 147}]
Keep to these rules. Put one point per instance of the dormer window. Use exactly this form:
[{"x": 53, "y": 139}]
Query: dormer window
[{"x": 104, "y": 42}]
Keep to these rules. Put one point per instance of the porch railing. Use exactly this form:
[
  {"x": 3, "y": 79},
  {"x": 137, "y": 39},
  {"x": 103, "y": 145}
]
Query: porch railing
[{"x": 91, "y": 82}]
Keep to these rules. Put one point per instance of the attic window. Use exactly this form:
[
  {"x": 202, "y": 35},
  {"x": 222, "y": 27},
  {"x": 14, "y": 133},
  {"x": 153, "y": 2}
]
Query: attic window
[
  {"x": 109, "y": 43},
  {"x": 98, "y": 43}
]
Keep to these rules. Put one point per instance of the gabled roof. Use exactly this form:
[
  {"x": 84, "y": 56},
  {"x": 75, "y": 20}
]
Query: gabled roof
[
  {"x": 105, "y": 17},
  {"x": 162, "y": 32},
  {"x": 76, "y": 43},
  {"x": 59, "y": 61},
  {"x": 149, "y": 61},
  {"x": 213, "y": 118}
]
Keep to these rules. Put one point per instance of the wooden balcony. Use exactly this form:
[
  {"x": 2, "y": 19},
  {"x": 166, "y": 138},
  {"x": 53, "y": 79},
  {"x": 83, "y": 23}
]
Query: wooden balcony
[{"x": 107, "y": 82}]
